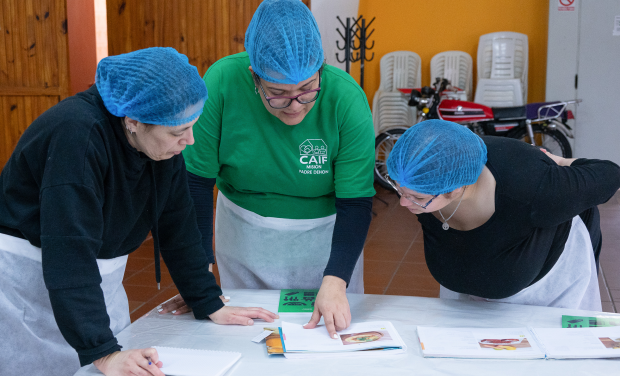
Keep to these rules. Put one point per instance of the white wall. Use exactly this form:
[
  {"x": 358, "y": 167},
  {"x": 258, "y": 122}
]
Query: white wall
[{"x": 325, "y": 12}]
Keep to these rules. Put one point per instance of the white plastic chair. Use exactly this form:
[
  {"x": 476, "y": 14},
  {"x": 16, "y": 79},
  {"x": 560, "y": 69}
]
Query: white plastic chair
[
  {"x": 390, "y": 109},
  {"x": 503, "y": 56},
  {"x": 499, "y": 93},
  {"x": 400, "y": 69},
  {"x": 456, "y": 66}
]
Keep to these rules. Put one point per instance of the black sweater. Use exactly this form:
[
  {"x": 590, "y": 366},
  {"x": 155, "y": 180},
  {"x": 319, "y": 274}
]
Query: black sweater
[
  {"x": 76, "y": 188},
  {"x": 535, "y": 202}
]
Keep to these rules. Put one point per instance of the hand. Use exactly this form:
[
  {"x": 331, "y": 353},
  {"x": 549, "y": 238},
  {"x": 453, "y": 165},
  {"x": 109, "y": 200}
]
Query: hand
[
  {"x": 177, "y": 305},
  {"x": 331, "y": 303},
  {"x": 131, "y": 362},
  {"x": 561, "y": 161},
  {"x": 241, "y": 315}
]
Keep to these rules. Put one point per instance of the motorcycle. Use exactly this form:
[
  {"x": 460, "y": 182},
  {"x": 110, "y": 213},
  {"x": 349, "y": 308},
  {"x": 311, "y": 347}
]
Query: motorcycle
[{"x": 540, "y": 124}]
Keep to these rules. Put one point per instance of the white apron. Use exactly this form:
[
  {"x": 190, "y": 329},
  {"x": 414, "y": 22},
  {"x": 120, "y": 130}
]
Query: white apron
[
  {"x": 31, "y": 341},
  {"x": 571, "y": 283},
  {"x": 256, "y": 252}
]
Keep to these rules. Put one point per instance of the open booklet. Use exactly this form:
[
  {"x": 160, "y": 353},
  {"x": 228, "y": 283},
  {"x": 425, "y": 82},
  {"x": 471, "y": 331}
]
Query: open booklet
[
  {"x": 520, "y": 343},
  {"x": 359, "y": 340}
]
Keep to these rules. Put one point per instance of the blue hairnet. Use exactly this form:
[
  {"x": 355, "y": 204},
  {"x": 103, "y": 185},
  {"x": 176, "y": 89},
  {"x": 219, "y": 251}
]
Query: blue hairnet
[
  {"x": 156, "y": 85},
  {"x": 284, "y": 42},
  {"x": 436, "y": 157}
]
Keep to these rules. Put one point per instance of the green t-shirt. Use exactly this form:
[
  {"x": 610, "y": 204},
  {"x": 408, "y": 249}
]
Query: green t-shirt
[{"x": 277, "y": 170}]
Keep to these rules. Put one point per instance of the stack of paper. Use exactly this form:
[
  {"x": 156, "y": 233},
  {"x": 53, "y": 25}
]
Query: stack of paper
[
  {"x": 520, "y": 343},
  {"x": 191, "y": 362},
  {"x": 359, "y": 340}
]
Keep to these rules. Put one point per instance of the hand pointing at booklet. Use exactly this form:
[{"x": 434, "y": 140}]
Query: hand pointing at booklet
[{"x": 331, "y": 303}]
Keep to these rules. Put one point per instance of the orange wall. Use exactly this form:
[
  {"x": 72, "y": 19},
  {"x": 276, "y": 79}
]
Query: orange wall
[
  {"x": 429, "y": 27},
  {"x": 82, "y": 44}
]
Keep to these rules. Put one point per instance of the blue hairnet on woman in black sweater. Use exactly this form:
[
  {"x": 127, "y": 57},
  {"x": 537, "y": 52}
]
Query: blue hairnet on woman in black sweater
[
  {"x": 503, "y": 220},
  {"x": 85, "y": 184}
]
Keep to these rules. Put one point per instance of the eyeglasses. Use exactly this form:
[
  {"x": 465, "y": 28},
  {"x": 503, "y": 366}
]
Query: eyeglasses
[
  {"x": 280, "y": 102},
  {"x": 401, "y": 194}
]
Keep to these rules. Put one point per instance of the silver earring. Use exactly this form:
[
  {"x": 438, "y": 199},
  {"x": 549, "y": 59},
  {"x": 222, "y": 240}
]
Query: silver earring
[
  {"x": 130, "y": 131},
  {"x": 255, "y": 90}
]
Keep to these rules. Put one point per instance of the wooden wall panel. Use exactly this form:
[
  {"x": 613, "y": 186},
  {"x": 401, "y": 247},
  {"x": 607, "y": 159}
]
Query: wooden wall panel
[
  {"x": 204, "y": 30},
  {"x": 34, "y": 70}
]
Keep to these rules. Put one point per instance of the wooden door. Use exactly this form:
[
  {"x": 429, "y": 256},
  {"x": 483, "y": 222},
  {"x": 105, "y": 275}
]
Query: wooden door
[{"x": 34, "y": 70}]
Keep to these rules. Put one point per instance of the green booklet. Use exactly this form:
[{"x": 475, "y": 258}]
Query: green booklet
[
  {"x": 297, "y": 300},
  {"x": 589, "y": 322}
]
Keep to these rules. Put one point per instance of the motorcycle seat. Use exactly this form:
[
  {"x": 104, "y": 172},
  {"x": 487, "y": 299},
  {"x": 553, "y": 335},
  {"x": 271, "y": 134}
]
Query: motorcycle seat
[{"x": 509, "y": 113}]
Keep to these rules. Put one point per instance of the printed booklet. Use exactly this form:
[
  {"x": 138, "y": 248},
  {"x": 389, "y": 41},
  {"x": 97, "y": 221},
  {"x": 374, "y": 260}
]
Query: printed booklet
[
  {"x": 589, "y": 322},
  {"x": 520, "y": 343},
  {"x": 297, "y": 301},
  {"x": 359, "y": 340}
]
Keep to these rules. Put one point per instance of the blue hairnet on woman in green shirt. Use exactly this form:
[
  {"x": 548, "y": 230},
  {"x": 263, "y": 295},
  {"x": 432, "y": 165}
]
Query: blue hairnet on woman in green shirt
[
  {"x": 290, "y": 142},
  {"x": 87, "y": 181}
]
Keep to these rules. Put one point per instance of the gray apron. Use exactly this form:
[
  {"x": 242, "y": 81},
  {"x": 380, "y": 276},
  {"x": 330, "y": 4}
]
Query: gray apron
[
  {"x": 31, "y": 341},
  {"x": 571, "y": 283},
  {"x": 256, "y": 252}
]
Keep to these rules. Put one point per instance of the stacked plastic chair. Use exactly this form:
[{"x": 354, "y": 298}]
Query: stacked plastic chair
[
  {"x": 399, "y": 69},
  {"x": 456, "y": 66},
  {"x": 502, "y": 69}
]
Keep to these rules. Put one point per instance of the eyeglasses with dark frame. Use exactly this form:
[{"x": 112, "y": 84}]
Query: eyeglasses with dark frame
[
  {"x": 280, "y": 102},
  {"x": 401, "y": 194}
]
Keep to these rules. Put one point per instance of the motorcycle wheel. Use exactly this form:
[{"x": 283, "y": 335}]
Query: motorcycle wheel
[
  {"x": 384, "y": 143},
  {"x": 553, "y": 140}
]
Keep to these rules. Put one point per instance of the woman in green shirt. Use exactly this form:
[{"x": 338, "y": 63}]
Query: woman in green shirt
[{"x": 290, "y": 142}]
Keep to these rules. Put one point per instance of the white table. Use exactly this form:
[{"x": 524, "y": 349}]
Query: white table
[{"x": 404, "y": 312}]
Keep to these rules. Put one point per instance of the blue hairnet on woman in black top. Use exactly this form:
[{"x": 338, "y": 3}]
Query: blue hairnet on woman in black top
[
  {"x": 503, "y": 220},
  {"x": 87, "y": 181}
]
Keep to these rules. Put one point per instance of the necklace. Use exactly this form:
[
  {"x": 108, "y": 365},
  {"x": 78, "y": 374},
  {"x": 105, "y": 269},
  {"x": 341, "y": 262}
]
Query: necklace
[{"x": 445, "y": 225}]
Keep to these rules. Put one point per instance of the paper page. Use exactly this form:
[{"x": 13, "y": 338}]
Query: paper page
[
  {"x": 191, "y": 362},
  {"x": 580, "y": 342},
  {"x": 509, "y": 343},
  {"x": 359, "y": 336}
]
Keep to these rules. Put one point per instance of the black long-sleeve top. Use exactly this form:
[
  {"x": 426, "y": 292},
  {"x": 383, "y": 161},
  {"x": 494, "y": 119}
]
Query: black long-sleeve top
[
  {"x": 535, "y": 201},
  {"x": 75, "y": 187},
  {"x": 353, "y": 217}
]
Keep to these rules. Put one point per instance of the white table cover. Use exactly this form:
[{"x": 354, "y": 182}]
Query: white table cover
[{"x": 405, "y": 312}]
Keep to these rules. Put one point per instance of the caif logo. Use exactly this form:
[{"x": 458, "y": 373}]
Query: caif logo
[{"x": 313, "y": 151}]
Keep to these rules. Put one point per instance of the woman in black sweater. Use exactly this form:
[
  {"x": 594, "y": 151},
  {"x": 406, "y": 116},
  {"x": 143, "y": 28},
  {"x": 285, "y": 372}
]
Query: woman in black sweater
[
  {"x": 86, "y": 183},
  {"x": 506, "y": 221}
]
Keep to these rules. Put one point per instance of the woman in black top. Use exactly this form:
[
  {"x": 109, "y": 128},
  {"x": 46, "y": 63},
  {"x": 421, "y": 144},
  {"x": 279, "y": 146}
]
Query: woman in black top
[
  {"x": 86, "y": 183},
  {"x": 503, "y": 220}
]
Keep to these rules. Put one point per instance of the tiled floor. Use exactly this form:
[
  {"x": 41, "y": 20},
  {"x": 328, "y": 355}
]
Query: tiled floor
[{"x": 393, "y": 259}]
